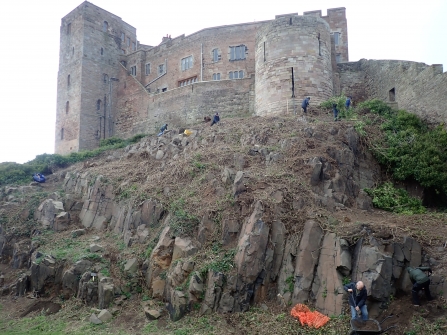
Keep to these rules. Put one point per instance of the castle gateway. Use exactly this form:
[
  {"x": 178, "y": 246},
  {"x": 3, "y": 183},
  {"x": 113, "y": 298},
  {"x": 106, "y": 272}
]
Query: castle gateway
[{"x": 109, "y": 84}]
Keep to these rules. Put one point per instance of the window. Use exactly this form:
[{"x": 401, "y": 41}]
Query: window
[
  {"x": 68, "y": 80},
  {"x": 67, "y": 107},
  {"x": 123, "y": 51},
  {"x": 216, "y": 76},
  {"x": 102, "y": 51},
  {"x": 337, "y": 38},
  {"x": 164, "y": 89},
  {"x": 148, "y": 69},
  {"x": 105, "y": 26},
  {"x": 161, "y": 69},
  {"x": 237, "y": 53},
  {"x": 124, "y": 63},
  {"x": 236, "y": 75},
  {"x": 122, "y": 37},
  {"x": 134, "y": 46},
  {"x": 128, "y": 41},
  {"x": 98, "y": 105},
  {"x": 187, "y": 82},
  {"x": 62, "y": 133},
  {"x": 69, "y": 29},
  {"x": 392, "y": 94},
  {"x": 216, "y": 55},
  {"x": 105, "y": 78},
  {"x": 337, "y": 58},
  {"x": 186, "y": 63},
  {"x": 133, "y": 70}
]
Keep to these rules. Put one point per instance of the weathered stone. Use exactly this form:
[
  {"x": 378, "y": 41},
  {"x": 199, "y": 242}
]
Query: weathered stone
[
  {"x": 307, "y": 260},
  {"x": 151, "y": 314},
  {"x": 105, "y": 315},
  {"x": 21, "y": 254},
  {"x": 94, "y": 319},
  {"x": 47, "y": 212},
  {"x": 238, "y": 185},
  {"x": 213, "y": 292},
  {"x": 105, "y": 292},
  {"x": 95, "y": 247},
  {"x": 206, "y": 228},
  {"x": 183, "y": 247},
  {"x": 77, "y": 233},
  {"x": 228, "y": 176},
  {"x": 131, "y": 266},
  {"x": 177, "y": 305},
  {"x": 159, "y": 155}
]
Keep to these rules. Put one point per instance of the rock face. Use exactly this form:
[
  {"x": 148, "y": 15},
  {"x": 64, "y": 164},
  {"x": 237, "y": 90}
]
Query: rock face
[{"x": 51, "y": 215}]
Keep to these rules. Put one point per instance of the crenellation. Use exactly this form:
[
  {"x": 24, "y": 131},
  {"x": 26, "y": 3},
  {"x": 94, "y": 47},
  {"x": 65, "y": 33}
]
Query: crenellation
[{"x": 110, "y": 84}]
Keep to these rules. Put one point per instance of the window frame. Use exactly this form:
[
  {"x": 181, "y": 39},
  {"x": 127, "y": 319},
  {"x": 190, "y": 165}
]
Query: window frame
[
  {"x": 336, "y": 38},
  {"x": 216, "y": 76},
  {"x": 161, "y": 69},
  {"x": 105, "y": 26},
  {"x": 133, "y": 70},
  {"x": 238, "y": 52},
  {"x": 186, "y": 63},
  {"x": 146, "y": 67},
  {"x": 215, "y": 55},
  {"x": 236, "y": 74}
]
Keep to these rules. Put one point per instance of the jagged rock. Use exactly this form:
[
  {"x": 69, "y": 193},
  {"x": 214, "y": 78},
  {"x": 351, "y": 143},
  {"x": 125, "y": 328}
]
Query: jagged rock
[
  {"x": 71, "y": 277},
  {"x": 195, "y": 288},
  {"x": 316, "y": 175},
  {"x": 343, "y": 258},
  {"x": 22, "y": 285},
  {"x": 238, "y": 185},
  {"x": 183, "y": 247},
  {"x": 44, "y": 271},
  {"x": 142, "y": 234},
  {"x": 412, "y": 251},
  {"x": 95, "y": 247},
  {"x": 177, "y": 305},
  {"x": 307, "y": 260},
  {"x": 228, "y": 176},
  {"x": 131, "y": 266},
  {"x": 151, "y": 314},
  {"x": 328, "y": 282},
  {"x": 252, "y": 244},
  {"x": 105, "y": 292},
  {"x": 105, "y": 315},
  {"x": 94, "y": 319},
  {"x": 213, "y": 292},
  {"x": 151, "y": 212},
  {"x": 205, "y": 229},
  {"x": 61, "y": 221},
  {"x": 21, "y": 254},
  {"x": 88, "y": 289},
  {"x": 47, "y": 212},
  {"x": 77, "y": 233}
]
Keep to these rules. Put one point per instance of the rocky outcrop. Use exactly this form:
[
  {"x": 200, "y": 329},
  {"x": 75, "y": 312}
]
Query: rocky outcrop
[{"x": 51, "y": 214}]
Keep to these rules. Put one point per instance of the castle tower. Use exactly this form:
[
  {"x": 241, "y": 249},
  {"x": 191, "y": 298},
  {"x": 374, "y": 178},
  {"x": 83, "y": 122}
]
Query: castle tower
[
  {"x": 293, "y": 60},
  {"x": 92, "y": 44}
]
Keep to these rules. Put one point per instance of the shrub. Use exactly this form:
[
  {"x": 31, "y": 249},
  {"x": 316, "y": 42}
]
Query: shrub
[{"x": 397, "y": 200}]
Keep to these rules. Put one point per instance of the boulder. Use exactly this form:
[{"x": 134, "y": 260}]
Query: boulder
[
  {"x": 183, "y": 247},
  {"x": 131, "y": 266},
  {"x": 151, "y": 314},
  {"x": 215, "y": 282},
  {"x": 77, "y": 233},
  {"x": 95, "y": 247},
  {"x": 105, "y": 292},
  {"x": 105, "y": 315},
  {"x": 47, "y": 212},
  {"x": 21, "y": 254},
  {"x": 94, "y": 319},
  {"x": 88, "y": 289},
  {"x": 177, "y": 305}
]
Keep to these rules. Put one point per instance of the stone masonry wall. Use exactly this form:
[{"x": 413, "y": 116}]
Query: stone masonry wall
[
  {"x": 418, "y": 88},
  {"x": 142, "y": 112},
  {"x": 301, "y": 43}
]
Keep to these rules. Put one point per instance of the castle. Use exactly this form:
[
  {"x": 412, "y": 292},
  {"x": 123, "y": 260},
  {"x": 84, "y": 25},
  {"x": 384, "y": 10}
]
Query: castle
[{"x": 109, "y": 84}]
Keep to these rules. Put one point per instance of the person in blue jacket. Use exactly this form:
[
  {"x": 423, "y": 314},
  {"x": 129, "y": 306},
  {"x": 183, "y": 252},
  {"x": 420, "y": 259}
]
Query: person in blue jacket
[
  {"x": 348, "y": 102},
  {"x": 163, "y": 129},
  {"x": 335, "y": 110},
  {"x": 357, "y": 299},
  {"x": 216, "y": 119},
  {"x": 304, "y": 104}
]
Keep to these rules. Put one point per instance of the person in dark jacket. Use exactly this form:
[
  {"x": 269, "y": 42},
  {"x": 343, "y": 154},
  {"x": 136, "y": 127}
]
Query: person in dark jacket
[
  {"x": 348, "y": 102},
  {"x": 420, "y": 282},
  {"x": 216, "y": 119},
  {"x": 357, "y": 295},
  {"x": 335, "y": 110},
  {"x": 304, "y": 104},
  {"x": 163, "y": 129}
]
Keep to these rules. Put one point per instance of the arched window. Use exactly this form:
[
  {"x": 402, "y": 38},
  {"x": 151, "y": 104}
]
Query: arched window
[
  {"x": 98, "y": 105},
  {"x": 105, "y": 78},
  {"x": 105, "y": 26},
  {"x": 67, "y": 107},
  {"x": 68, "y": 80},
  {"x": 62, "y": 133}
]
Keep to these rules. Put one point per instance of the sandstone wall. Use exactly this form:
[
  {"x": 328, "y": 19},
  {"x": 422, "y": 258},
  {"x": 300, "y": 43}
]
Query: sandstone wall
[
  {"x": 419, "y": 88},
  {"x": 293, "y": 59}
]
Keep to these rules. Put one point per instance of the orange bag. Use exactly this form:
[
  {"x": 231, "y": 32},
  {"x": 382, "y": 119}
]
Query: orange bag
[{"x": 307, "y": 317}]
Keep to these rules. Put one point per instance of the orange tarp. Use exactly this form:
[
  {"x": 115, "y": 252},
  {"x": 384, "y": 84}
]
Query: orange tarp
[{"x": 307, "y": 317}]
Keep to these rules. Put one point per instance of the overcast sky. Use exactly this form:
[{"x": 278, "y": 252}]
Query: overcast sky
[{"x": 391, "y": 29}]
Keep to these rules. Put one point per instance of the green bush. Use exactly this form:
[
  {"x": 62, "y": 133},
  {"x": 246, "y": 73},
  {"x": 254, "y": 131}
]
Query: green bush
[
  {"x": 396, "y": 200},
  {"x": 375, "y": 106},
  {"x": 340, "y": 102}
]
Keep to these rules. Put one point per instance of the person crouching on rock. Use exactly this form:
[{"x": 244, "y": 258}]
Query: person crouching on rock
[{"x": 357, "y": 299}]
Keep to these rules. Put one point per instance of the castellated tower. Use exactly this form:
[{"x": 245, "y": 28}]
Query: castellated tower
[
  {"x": 92, "y": 43},
  {"x": 293, "y": 60}
]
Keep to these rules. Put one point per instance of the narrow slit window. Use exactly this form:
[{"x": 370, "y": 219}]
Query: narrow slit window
[
  {"x": 105, "y": 26},
  {"x": 392, "y": 94},
  {"x": 98, "y": 105},
  {"x": 62, "y": 133},
  {"x": 337, "y": 38},
  {"x": 68, "y": 80},
  {"x": 67, "y": 107},
  {"x": 69, "y": 29}
]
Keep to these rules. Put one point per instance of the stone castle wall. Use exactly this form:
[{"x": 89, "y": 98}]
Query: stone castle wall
[
  {"x": 416, "y": 87},
  {"x": 293, "y": 59}
]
